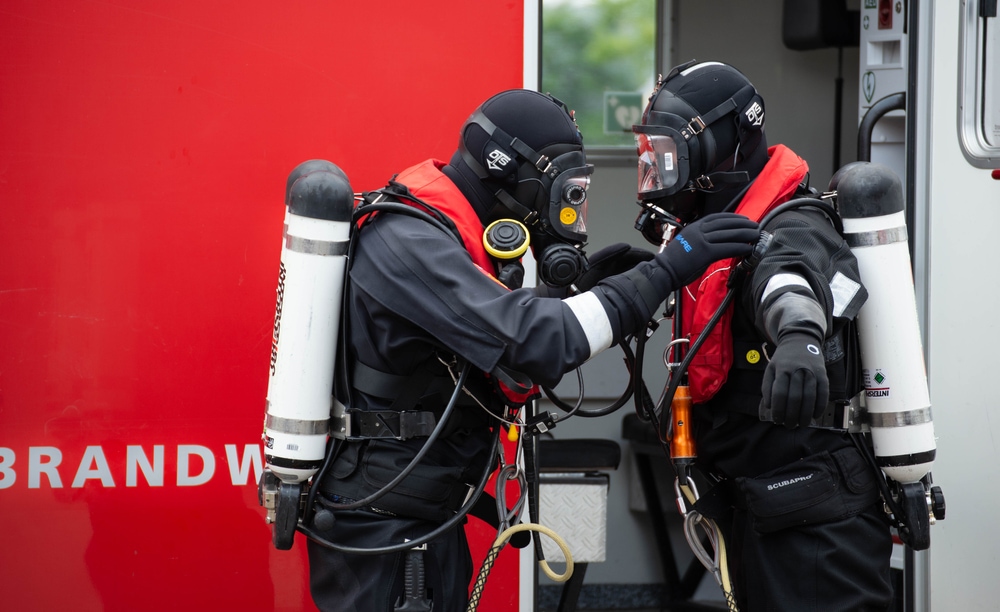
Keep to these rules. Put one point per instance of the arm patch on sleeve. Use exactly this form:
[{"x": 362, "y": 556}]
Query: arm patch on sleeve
[{"x": 590, "y": 313}]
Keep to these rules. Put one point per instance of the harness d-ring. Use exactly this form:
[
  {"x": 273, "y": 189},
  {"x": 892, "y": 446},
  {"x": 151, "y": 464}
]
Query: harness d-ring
[{"x": 671, "y": 365}]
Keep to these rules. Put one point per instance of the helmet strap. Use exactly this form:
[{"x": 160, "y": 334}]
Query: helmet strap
[
  {"x": 698, "y": 124},
  {"x": 541, "y": 162},
  {"x": 520, "y": 211},
  {"x": 708, "y": 182}
]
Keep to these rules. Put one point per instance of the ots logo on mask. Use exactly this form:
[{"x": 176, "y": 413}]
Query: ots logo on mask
[
  {"x": 755, "y": 114},
  {"x": 498, "y": 162}
]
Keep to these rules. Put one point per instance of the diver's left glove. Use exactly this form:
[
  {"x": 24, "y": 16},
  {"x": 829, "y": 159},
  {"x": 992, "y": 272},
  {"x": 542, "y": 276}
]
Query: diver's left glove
[{"x": 610, "y": 260}]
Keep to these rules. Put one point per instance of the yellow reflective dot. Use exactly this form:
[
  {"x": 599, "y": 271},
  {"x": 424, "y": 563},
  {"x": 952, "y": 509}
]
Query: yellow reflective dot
[
  {"x": 567, "y": 216},
  {"x": 753, "y": 356}
]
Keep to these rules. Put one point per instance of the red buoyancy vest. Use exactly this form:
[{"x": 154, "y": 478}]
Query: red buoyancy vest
[
  {"x": 427, "y": 182},
  {"x": 709, "y": 368}
]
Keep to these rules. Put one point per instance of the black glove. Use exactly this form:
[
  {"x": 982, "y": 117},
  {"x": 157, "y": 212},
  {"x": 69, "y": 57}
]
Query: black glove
[
  {"x": 609, "y": 261},
  {"x": 707, "y": 240},
  {"x": 796, "y": 388}
]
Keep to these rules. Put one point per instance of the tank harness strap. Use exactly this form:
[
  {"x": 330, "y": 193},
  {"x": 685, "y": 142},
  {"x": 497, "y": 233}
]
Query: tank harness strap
[
  {"x": 405, "y": 391},
  {"x": 367, "y": 424}
]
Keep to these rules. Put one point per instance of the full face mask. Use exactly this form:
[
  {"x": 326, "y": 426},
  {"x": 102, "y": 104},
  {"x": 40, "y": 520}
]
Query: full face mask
[
  {"x": 701, "y": 137},
  {"x": 565, "y": 213},
  {"x": 548, "y": 195},
  {"x": 677, "y": 153},
  {"x": 560, "y": 229}
]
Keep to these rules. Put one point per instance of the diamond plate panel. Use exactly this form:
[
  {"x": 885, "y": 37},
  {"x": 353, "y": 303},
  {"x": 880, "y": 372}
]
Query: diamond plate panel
[{"x": 576, "y": 509}]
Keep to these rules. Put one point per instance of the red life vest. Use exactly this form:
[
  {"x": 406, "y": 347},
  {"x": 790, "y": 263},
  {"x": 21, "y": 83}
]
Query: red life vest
[
  {"x": 709, "y": 368},
  {"x": 429, "y": 184}
]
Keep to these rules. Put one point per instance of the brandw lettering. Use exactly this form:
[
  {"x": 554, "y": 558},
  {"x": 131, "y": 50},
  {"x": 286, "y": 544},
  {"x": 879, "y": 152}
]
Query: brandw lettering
[{"x": 191, "y": 465}]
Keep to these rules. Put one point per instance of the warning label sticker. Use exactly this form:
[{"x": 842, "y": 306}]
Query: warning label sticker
[{"x": 876, "y": 383}]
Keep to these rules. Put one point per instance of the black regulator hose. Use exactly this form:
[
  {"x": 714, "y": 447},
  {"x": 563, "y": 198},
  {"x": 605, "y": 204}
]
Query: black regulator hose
[
  {"x": 599, "y": 412},
  {"x": 449, "y": 409},
  {"x": 824, "y": 206},
  {"x": 644, "y": 407}
]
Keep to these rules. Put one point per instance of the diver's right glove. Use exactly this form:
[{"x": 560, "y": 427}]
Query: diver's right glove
[
  {"x": 704, "y": 242},
  {"x": 634, "y": 295}
]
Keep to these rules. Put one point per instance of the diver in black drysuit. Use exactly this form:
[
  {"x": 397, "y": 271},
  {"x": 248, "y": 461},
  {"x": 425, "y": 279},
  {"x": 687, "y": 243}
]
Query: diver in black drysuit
[
  {"x": 423, "y": 300},
  {"x": 797, "y": 502}
]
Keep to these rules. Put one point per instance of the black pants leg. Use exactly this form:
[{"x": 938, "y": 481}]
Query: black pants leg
[
  {"x": 374, "y": 583},
  {"x": 825, "y": 552},
  {"x": 839, "y": 566}
]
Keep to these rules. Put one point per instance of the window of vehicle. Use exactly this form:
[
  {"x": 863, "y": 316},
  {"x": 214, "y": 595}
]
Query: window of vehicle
[{"x": 600, "y": 58}]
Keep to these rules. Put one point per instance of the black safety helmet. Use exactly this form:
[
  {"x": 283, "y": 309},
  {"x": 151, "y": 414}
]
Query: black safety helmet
[
  {"x": 520, "y": 157},
  {"x": 701, "y": 139},
  {"x": 521, "y": 146}
]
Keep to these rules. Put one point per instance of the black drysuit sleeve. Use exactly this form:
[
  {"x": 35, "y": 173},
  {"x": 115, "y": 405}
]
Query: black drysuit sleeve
[
  {"x": 413, "y": 280},
  {"x": 807, "y": 259}
]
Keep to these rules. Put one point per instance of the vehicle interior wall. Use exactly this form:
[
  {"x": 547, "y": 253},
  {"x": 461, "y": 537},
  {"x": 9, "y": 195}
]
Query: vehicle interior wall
[{"x": 798, "y": 88}]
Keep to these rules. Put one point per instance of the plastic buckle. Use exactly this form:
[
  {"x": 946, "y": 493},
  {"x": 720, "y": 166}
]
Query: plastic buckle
[{"x": 541, "y": 423}]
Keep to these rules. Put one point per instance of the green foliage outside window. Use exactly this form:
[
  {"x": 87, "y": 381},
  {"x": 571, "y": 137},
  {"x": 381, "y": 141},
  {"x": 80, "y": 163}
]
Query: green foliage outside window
[{"x": 590, "y": 47}]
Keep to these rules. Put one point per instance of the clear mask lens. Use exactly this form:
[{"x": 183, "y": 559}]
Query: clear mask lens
[
  {"x": 567, "y": 210},
  {"x": 658, "y": 168},
  {"x": 573, "y": 208}
]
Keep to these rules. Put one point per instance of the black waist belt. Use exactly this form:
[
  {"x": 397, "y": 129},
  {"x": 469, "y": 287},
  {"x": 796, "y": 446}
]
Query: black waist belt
[{"x": 404, "y": 419}]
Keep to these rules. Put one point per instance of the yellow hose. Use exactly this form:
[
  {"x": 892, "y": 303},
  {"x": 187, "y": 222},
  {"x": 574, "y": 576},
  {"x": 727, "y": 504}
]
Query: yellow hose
[{"x": 498, "y": 544}]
